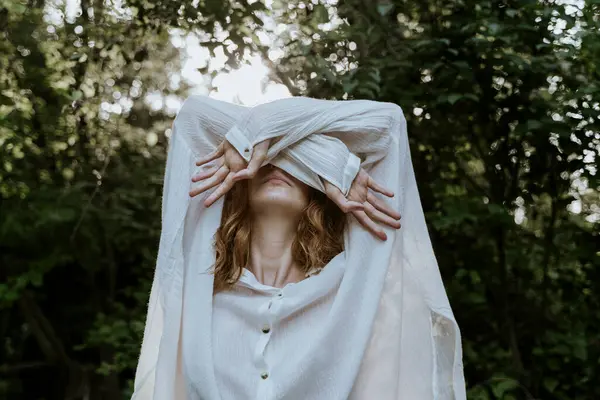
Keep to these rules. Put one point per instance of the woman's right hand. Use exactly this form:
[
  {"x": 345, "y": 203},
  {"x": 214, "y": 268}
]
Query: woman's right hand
[
  {"x": 369, "y": 210},
  {"x": 229, "y": 167}
]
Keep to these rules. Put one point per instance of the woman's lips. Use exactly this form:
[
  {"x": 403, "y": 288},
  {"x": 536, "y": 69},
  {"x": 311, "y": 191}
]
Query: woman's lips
[
  {"x": 277, "y": 180},
  {"x": 278, "y": 177}
]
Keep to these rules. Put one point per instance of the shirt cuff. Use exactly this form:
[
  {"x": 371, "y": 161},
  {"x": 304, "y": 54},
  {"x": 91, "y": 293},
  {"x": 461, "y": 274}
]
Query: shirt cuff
[
  {"x": 240, "y": 142},
  {"x": 350, "y": 172}
]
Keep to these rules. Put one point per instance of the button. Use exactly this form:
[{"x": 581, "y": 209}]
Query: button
[
  {"x": 266, "y": 328},
  {"x": 246, "y": 150},
  {"x": 279, "y": 294},
  {"x": 264, "y": 375}
]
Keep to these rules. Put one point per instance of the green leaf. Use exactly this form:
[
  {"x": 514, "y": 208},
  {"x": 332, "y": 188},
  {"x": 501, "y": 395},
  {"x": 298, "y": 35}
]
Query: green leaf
[
  {"x": 320, "y": 14},
  {"x": 503, "y": 386},
  {"x": 76, "y": 95},
  {"x": 550, "y": 383},
  {"x": 453, "y": 98}
]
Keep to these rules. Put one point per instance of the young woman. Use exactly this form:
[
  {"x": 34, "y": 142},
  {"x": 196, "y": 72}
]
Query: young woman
[{"x": 282, "y": 272}]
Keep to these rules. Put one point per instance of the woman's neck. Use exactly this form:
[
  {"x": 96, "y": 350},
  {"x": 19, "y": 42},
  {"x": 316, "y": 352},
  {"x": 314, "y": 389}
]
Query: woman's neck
[{"x": 271, "y": 258}]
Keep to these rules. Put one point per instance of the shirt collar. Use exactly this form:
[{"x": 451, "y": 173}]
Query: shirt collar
[{"x": 248, "y": 279}]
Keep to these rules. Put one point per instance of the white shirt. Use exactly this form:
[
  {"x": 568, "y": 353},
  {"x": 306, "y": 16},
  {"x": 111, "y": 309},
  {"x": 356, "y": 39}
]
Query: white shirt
[
  {"x": 375, "y": 324},
  {"x": 257, "y": 328}
]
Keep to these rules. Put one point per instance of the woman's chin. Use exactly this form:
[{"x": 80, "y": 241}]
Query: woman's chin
[{"x": 277, "y": 199}]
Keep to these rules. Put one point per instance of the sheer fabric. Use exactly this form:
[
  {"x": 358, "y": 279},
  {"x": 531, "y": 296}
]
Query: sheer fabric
[{"x": 390, "y": 332}]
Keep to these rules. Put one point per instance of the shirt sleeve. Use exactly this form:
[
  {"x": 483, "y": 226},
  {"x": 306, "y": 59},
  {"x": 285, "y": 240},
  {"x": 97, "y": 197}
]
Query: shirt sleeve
[
  {"x": 175, "y": 203},
  {"x": 213, "y": 120},
  {"x": 331, "y": 138},
  {"x": 362, "y": 125},
  {"x": 328, "y": 157},
  {"x": 200, "y": 126}
]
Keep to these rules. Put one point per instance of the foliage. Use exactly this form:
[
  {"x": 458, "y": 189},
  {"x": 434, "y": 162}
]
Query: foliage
[
  {"x": 501, "y": 99},
  {"x": 82, "y": 155}
]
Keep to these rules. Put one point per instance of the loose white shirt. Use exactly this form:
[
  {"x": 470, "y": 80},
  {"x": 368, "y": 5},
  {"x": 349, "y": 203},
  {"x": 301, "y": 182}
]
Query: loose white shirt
[{"x": 381, "y": 326}]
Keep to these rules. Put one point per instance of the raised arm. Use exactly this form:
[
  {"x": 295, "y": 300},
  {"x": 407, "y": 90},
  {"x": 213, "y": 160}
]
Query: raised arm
[
  {"x": 364, "y": 126},
  {"x": 325, "y": 137},
  {"x": 210, "y": 121},
  {"x": 317, "y": 134}
]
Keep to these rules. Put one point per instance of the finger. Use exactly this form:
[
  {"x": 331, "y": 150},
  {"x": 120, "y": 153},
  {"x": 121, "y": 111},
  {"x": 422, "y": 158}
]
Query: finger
[
  {"x": 380, "y": 217},
  {"x": 349, "y": 206},
  {"x": 378, "y": 188},
  {"x": 214, "y": 180},
  {"x": 220, "y": 191},
  {"x": 369, "y": 225},
  {"x": 381, "y": 206},
  {"x": 342, "y": 202},
  {"x": 212, "y": 156},
  {"x": 207, "y": 173},
  {"x": 259, "y": 155}
]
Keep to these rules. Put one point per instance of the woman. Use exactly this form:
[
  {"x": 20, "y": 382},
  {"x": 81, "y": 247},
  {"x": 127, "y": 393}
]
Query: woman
[{"x": 258, "y": 297}]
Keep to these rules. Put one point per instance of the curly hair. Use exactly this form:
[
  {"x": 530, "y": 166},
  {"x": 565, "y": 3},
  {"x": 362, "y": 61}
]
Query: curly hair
[{"x": 319, "y": 237}]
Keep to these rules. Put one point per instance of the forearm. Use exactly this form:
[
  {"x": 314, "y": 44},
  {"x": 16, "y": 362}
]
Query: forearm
[
  {"x": 327, "y": 157},
  {"x": 318, "y": 135},
  {"x": 363, "y": 126},
  {"x": 206, "y": 121}
]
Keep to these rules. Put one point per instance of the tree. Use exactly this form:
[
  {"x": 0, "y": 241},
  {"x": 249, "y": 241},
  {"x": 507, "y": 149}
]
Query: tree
[
  {"x": 82, "y": 155},
  {"x": 503, "y": 122}
]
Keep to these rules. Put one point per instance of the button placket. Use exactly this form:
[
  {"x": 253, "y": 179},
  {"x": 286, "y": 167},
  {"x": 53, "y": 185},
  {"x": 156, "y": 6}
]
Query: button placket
[
  {"x": 266, "y": 328},
  {"x": 268, "y": 313}
]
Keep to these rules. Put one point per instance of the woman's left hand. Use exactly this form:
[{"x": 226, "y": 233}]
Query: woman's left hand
[{"x": 373, "y": 210}]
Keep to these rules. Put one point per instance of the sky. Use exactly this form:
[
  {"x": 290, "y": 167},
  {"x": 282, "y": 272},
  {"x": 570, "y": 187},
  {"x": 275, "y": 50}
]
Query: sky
[{"x": 243, "y": 85}]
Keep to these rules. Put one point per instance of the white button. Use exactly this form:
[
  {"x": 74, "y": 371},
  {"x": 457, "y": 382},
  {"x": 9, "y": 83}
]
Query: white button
[
  {"x": 279, "y": 294},
  {"x": 266, "y": 328},
  {"x": 264, "y": 375}
]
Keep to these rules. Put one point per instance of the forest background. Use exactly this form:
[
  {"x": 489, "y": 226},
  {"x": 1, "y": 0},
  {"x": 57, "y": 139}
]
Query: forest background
[{"x": 502, "y": 102}]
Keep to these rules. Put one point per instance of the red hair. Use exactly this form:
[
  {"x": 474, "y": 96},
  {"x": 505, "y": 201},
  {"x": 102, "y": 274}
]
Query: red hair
[{"x": 319, "y": 237}]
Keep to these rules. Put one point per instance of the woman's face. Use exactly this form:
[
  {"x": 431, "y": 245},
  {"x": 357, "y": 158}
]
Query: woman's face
[{"x": 273, "y": 190}]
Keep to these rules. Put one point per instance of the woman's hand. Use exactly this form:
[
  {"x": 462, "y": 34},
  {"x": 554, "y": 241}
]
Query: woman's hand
[
  {"x": 364, "y": 205},
  {"x": 228, "y": 168}
]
